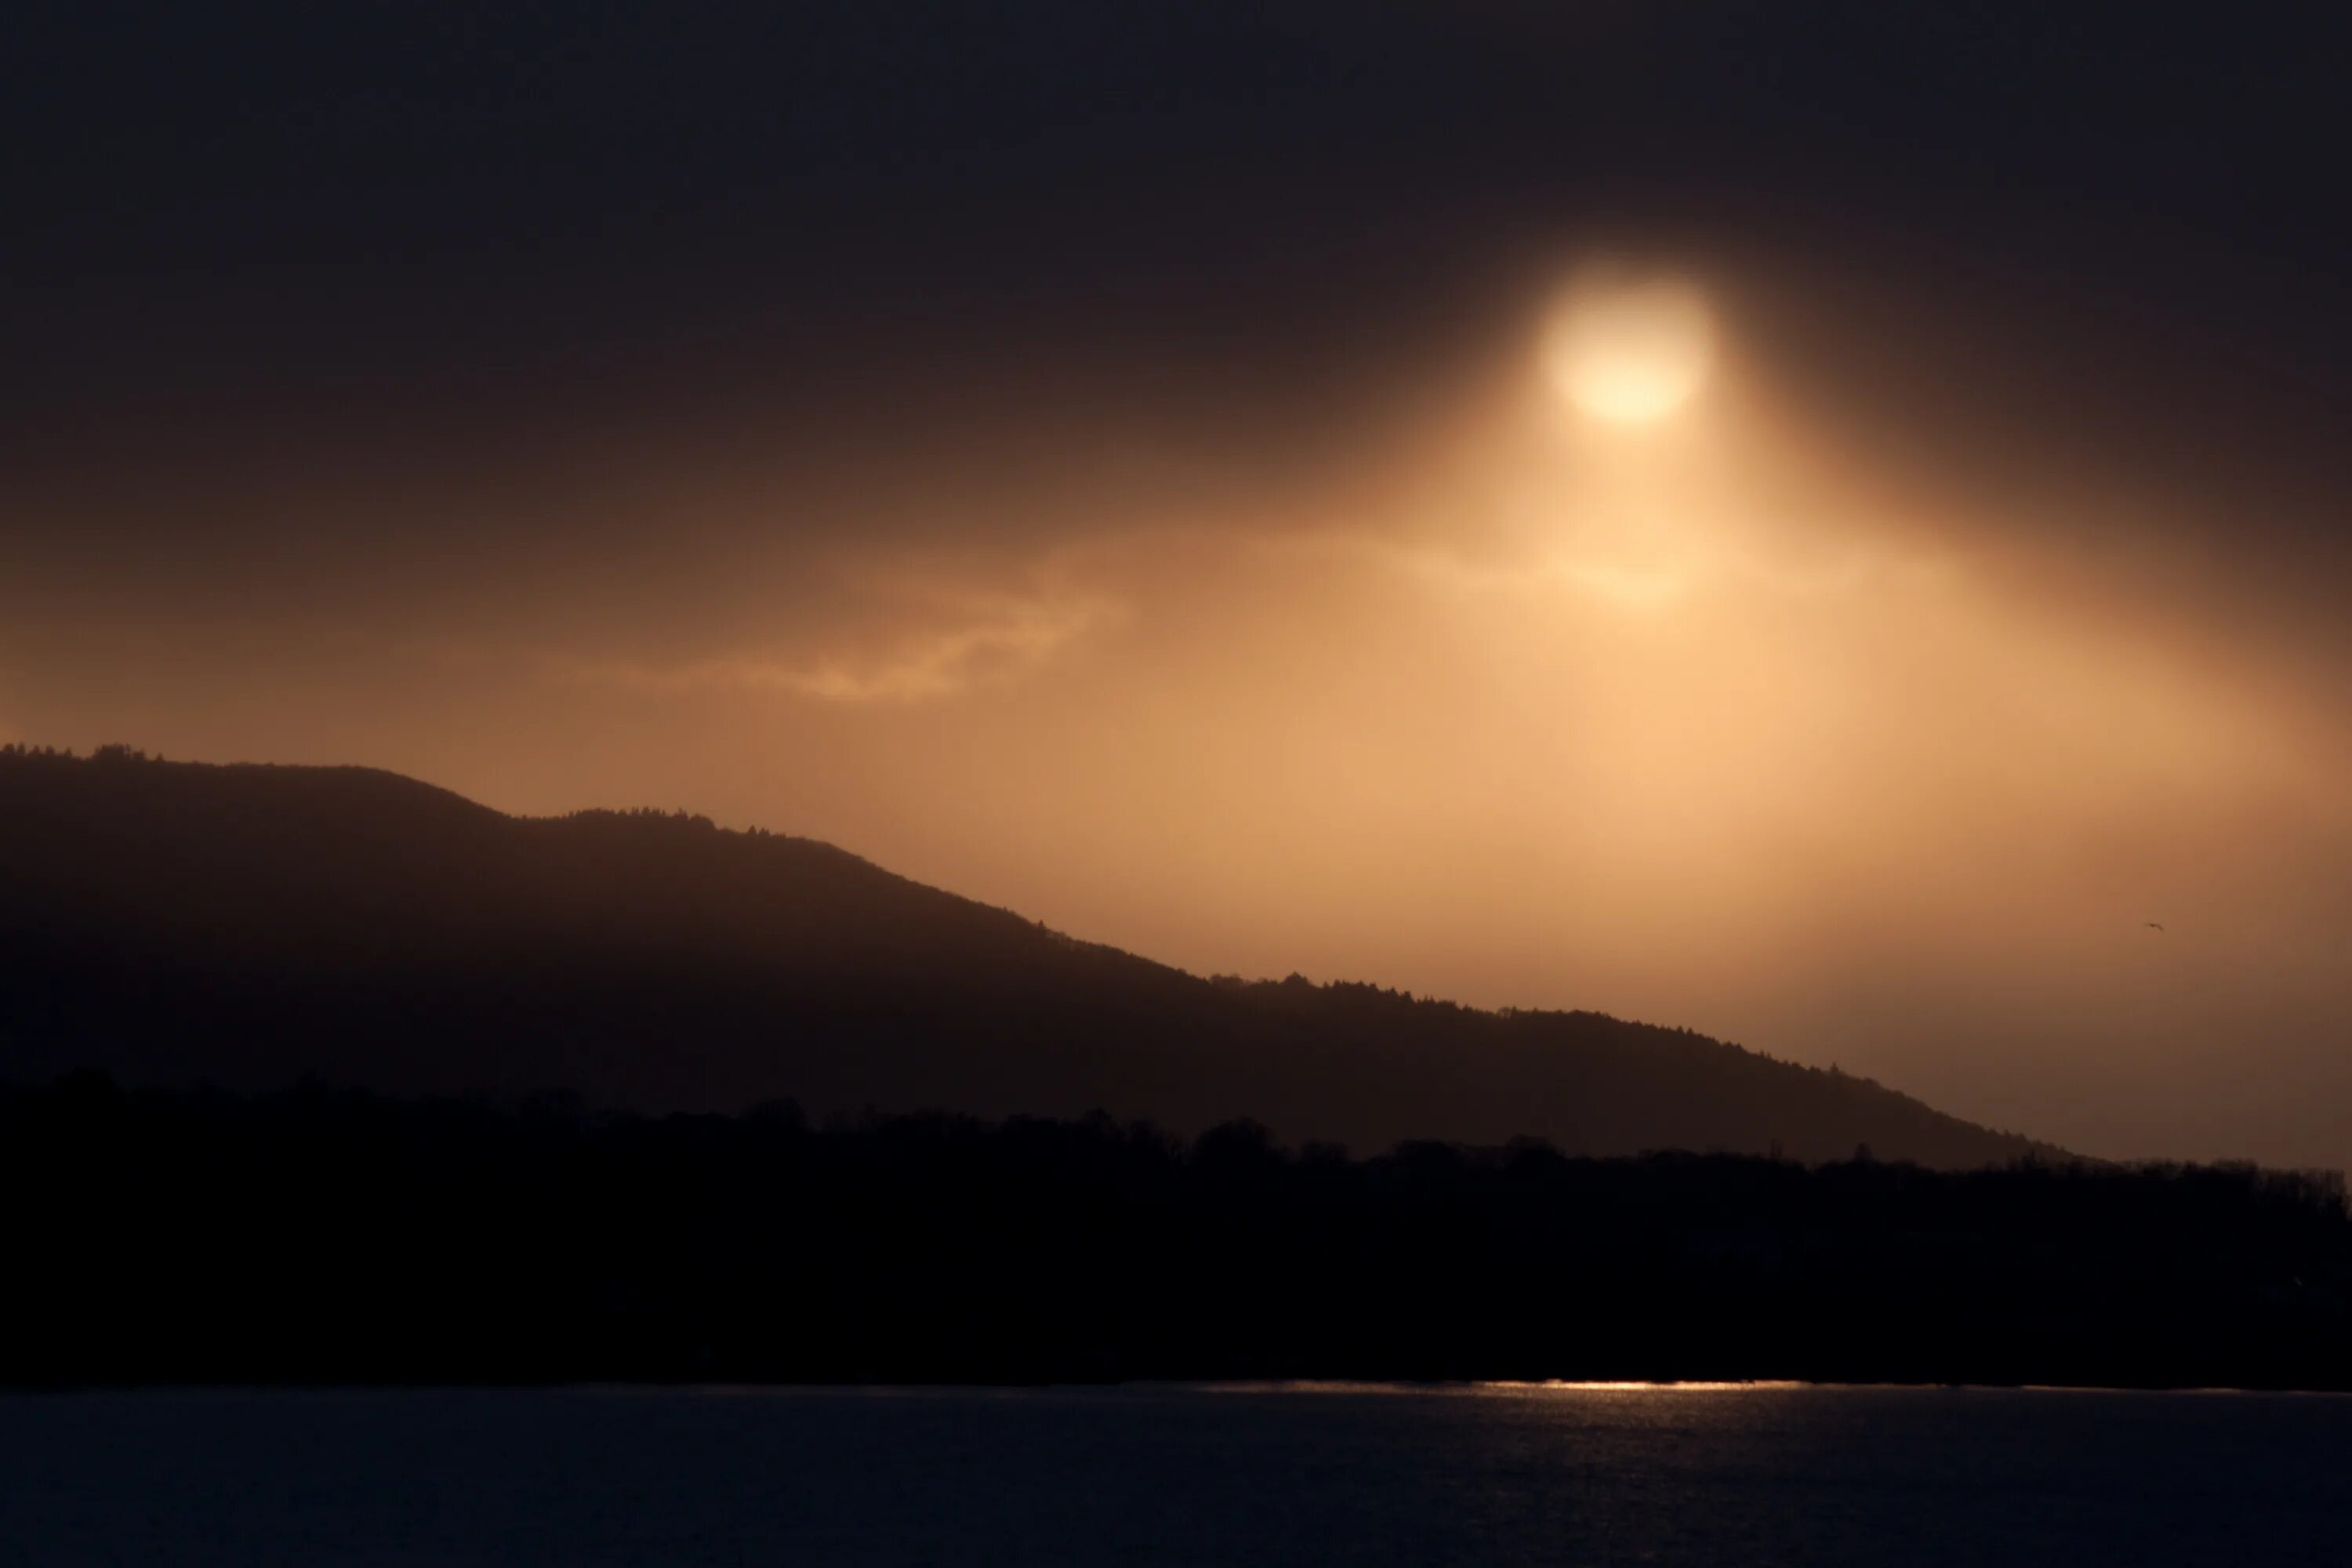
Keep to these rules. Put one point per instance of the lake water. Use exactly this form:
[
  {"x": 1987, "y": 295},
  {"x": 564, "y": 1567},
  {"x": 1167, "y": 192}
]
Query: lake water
[{"x": 1171, "y": 1475}]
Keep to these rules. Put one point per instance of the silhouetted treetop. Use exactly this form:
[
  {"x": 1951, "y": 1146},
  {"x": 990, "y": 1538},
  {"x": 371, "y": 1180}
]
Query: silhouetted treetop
[{"x": 334, "y": 1235}]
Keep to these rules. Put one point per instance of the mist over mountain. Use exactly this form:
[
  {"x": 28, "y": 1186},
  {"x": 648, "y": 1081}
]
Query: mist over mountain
[{"x": 251, "y": 925}]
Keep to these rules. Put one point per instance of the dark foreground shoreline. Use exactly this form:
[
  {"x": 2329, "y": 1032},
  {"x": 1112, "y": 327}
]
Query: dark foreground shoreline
[{"x": 336, "y": 1238}]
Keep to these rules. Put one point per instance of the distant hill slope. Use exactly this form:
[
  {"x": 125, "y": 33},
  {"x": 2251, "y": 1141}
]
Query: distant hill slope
[{"x": 248, "y": 925}]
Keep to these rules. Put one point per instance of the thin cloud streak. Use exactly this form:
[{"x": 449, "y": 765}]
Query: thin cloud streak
[{"x": 999, "y": 639}]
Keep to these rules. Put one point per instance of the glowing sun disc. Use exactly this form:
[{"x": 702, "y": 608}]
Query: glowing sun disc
[{"x": 1630, "y": 352}]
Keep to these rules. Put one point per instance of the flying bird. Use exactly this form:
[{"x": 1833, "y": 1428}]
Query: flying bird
[{"x": 2155, "y": 925}]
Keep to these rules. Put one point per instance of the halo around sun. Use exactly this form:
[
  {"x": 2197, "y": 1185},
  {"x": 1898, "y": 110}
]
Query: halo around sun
[{"x": 1629, "y": 350}]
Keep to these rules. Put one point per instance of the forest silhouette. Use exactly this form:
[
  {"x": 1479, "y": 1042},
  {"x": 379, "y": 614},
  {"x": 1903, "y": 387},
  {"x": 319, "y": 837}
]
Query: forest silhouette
[
  {"x": 625, "y": 1096},
  {"x": 249, "y": 926},
  {"x": 322, "y": 1236}
]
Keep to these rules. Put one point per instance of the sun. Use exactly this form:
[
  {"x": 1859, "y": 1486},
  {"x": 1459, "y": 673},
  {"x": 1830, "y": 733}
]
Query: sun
[{"x": 1629, "y": 350}]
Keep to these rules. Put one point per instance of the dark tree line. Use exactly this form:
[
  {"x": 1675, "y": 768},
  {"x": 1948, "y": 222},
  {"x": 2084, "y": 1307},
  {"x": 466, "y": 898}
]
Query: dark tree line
[{"x": 330, "y": 1236}]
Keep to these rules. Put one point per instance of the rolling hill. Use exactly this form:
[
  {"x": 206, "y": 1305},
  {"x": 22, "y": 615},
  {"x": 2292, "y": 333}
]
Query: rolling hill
[{"x": 249, "y": 925}]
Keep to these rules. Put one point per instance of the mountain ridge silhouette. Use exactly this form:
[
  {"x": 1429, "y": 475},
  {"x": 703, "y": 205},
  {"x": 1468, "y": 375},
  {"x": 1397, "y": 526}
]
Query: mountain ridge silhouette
[{"x": 251, "y": 924}]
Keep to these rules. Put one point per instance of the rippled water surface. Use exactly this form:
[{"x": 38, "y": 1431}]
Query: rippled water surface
[{"x": 1490, "y": 1475}]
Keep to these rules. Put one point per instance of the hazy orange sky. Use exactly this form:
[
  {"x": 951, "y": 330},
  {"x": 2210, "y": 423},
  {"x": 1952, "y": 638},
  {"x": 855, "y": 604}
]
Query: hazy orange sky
[{"x": 1198, "y": 553}]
